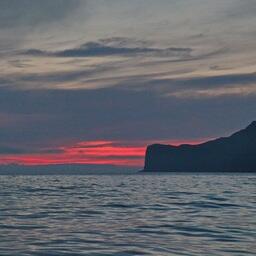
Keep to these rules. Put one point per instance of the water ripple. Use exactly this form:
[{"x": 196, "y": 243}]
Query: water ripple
[{"x": 128, "y": 215}]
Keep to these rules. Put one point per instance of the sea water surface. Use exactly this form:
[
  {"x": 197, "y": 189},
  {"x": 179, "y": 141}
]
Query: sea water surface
[{"x": 128, "y": 215}]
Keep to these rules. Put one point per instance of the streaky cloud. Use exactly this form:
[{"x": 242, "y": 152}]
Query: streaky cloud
[
  {"x": 102, "y": 48},
  {"x": 17, "y": 13}
]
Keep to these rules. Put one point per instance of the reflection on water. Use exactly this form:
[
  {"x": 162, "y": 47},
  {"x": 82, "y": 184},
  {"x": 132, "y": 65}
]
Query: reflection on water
[{"x": 128, "y": 215}]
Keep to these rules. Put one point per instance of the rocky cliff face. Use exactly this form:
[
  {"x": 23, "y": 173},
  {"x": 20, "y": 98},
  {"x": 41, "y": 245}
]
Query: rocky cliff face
[{"x": 236, "y": 153}]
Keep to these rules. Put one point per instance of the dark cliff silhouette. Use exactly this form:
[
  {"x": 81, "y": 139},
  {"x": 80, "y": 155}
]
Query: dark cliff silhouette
[{"x": 236, "y": 153}]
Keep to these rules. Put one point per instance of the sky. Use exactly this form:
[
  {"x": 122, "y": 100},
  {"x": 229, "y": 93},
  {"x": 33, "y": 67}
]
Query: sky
[{"x": 96, "y": 81}]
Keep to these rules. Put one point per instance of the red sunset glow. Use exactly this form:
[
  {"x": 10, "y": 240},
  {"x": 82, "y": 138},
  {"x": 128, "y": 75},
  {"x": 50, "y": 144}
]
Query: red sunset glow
[{"x": 91, "y": 152}]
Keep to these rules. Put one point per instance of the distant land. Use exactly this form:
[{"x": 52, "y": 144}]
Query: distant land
[{"x": 236, "y": 153}]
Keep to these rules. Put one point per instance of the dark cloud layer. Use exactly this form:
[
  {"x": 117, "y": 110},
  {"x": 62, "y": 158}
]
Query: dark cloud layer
[
  {"x": 96, "y": 49},
  {"x": 55, "y": 117}
]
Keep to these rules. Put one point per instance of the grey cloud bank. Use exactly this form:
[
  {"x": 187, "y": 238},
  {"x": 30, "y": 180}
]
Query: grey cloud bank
[{"x": 60, "y": 116}]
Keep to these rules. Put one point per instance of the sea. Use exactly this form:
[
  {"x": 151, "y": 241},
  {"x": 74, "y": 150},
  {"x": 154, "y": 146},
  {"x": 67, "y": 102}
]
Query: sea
[{"x": 123, "y": 215}]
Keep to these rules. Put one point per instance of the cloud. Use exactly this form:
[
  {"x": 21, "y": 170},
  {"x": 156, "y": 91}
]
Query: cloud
[
  {"x": 201, "y": 86},
  {"x": 55, "y": 117},
  {"x": 213, "y": 93},
  {"x": 216, "y": 86},
  {"x": 16, "y": 13},
  {"x": 29, "y": 22},
  {"x": 9, "y": 150},
  {"x": 106, "y": 47}
]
